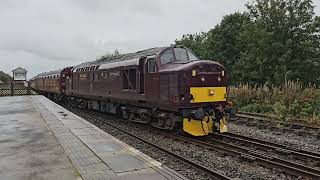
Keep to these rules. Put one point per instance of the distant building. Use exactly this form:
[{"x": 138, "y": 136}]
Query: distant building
[{"x": 19, "y": 74}]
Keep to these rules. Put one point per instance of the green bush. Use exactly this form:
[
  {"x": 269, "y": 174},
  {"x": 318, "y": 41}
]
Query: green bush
[
  {"x": 258, "y": 108},
  {"x": 289, "y": 101},
  {"x": 280, "y": 110}
]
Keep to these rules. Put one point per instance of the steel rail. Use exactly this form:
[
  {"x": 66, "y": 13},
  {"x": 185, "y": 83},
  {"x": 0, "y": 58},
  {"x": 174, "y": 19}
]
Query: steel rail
[
  {"x": 263, "y": 117},
  {"x": 262, "y": 159},
  {"x": 270, "y": 146},
  {"x": 187, "y": 161}
]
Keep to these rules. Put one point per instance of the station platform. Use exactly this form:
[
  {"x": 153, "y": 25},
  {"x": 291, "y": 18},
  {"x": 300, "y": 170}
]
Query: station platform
[{"x": 41, "y": 140}]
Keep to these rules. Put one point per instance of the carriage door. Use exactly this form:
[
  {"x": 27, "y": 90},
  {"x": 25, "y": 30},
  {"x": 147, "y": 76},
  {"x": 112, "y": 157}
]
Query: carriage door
[{"x": 151, "y": 80}]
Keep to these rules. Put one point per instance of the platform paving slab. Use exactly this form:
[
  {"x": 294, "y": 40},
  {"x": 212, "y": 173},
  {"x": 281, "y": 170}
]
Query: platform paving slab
[
  {"x": 95, "y": 153},
  {"x": 28, "y": 148}
]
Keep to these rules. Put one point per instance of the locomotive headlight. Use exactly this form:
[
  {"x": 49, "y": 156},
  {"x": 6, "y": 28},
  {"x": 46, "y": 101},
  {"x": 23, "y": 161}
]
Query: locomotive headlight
[
  {"x": 222, "y": 73},
  {"x": 194, "y": 73},
  {"x": 219, "y": 79},
  {"x": 203, "y": 79}
]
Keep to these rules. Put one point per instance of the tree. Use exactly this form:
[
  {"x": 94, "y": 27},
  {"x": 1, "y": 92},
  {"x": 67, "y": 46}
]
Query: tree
[
  {"x": 274, "y": 41},
  {"x": 4, "y": 77},
  {"x": 195, "y": 42},
  {"x": 223, "y": 43},
  {"x": 282, "y": 43},
  {"x": 108, "y": 55}
]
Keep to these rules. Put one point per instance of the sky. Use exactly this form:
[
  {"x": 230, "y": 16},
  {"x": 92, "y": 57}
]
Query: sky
[{"x": 44, "y": 35}]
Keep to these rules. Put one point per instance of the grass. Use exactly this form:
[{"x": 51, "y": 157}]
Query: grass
[{"x": 290, "y": 101}]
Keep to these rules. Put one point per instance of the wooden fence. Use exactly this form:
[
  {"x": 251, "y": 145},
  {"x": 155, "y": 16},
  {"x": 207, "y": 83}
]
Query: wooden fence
[{"x": 15, "y": 88}]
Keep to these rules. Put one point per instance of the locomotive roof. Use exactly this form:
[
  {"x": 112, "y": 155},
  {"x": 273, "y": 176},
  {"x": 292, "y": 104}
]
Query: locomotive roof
[{"x": 122, "y": 57}]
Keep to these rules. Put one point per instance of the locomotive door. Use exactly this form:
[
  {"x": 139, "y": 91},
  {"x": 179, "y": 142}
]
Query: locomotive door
[
  {"x": 151, "y": 80},
  {"x": 141, "y": 75},
  {"x": 91, "y": 79}
]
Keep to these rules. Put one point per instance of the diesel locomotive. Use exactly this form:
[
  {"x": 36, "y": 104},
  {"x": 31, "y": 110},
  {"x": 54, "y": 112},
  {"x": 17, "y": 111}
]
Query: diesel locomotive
[{"x": 166, "y": 87}]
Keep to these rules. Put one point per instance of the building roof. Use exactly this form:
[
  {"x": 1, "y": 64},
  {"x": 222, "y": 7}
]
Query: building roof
[{"x": 19, "y": 70}]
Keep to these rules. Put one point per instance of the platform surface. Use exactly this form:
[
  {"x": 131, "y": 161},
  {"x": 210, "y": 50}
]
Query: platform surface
[{"x": 41, "y": 140}]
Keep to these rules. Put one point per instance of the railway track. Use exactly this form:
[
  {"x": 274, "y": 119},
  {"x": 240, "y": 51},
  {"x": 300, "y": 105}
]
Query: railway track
[
  {"x": 262, "y": 159},
  {"x": 218, "y": 142},
  {"x": 255, "y": 119},
  {"x": 269, "y": 146},
  {"x": 200, "y": 167}
]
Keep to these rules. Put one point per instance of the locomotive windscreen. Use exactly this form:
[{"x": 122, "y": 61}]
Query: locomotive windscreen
[{"x": 177, "y": 55}]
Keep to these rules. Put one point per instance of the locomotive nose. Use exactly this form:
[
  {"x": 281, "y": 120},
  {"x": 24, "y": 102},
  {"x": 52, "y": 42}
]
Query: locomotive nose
[
  {"x": 208, "y": 73},
  {"x": 207, "y": 82}
]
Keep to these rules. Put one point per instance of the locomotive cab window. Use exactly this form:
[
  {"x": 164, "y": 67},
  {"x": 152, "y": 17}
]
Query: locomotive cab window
[
  {"x": 151, "y": 65},
  {"x": 167, "y": 56},
  {"x": 181, "y": 54},
  {"x": 191, "y": 56},
  {"x": 177, "y": 55}
]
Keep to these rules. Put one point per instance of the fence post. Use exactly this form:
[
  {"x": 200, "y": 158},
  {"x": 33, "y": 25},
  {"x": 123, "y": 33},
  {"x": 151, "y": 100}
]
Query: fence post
[
  {"x": 12, "y": 89},
  {"x": 28, "y": 89}
]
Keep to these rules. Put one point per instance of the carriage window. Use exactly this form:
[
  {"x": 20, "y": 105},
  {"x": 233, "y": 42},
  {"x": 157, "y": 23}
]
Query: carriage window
[
  {"x": 83, "y": 76},
  {"x": 167, "y": 57},
  {"x": 151, "y": 65},
  {"x": 104, "y": 75}
]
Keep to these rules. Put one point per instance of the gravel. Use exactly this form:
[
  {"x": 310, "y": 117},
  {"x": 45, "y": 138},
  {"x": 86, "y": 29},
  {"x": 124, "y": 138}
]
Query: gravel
[
  {"x": 235, "y": 167},
  {"x": 304, "y": 142}
]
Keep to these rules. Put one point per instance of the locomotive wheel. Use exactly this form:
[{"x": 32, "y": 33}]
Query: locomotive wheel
[
  {"x": 124, "y": 114},
  {"x": 169, "y": 123},
  {"x": 161, "y": 122},
  {"x": 132, "y": 116},
  {"x": 145, "y": 117}
]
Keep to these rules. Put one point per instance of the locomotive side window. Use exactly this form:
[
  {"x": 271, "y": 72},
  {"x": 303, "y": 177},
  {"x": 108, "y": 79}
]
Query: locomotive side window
[
  {"x": 167, "y": 56},
  {"x": 132, "y": 78},
  {"x": 129, "y": 79},
  {"x": 151, "y": 65}
]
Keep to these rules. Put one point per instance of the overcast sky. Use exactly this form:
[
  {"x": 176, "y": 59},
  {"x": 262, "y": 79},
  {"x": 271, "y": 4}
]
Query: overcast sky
[{"x": 44, "y": 35}]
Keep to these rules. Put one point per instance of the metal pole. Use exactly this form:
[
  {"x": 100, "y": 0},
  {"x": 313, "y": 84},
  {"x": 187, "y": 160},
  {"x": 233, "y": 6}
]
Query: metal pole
[{"x": 12, "y": 89}]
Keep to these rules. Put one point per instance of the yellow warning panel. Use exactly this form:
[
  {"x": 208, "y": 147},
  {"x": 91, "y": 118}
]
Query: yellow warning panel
[
  {"x": 195, "y": 127},
  {"x": 208, "y": 94},
  {"x": 223, "y": 125}
]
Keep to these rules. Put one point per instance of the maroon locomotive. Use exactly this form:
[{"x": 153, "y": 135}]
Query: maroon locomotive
[{"x": 167, "y": 87}]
